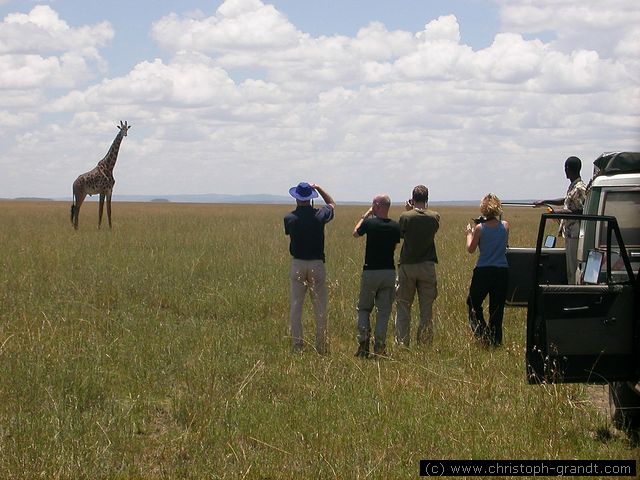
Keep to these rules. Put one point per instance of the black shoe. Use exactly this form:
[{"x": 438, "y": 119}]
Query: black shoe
[
  {"x": 379, "y": 349},
  {"x": 363, "y": 349}
]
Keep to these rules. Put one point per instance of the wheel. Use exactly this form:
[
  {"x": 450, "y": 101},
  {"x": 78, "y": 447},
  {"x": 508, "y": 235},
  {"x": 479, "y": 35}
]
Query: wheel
[{"x": 624, "y": 402}]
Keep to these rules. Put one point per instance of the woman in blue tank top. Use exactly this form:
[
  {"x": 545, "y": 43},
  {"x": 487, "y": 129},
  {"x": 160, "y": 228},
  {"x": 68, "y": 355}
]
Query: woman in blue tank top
[{"x": 491, "y": 273}]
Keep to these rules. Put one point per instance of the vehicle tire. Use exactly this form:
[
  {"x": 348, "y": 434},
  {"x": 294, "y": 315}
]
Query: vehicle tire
[{"x": 624, "y": 402}]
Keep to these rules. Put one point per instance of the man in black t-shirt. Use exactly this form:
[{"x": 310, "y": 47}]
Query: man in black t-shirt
[
  {"x": 377, "y": 285},
  {"x": 305, "y": 227}
]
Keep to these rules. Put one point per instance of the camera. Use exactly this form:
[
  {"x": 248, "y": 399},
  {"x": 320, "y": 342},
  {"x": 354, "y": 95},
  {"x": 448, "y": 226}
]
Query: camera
[{"x": 480, "y": 219}]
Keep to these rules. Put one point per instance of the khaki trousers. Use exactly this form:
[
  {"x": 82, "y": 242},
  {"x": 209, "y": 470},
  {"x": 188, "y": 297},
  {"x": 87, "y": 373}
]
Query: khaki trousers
[
  {"x": 571, "y": 256},
  {"x": 412, "y": 277},
  {"x": 308, "y": 275}
]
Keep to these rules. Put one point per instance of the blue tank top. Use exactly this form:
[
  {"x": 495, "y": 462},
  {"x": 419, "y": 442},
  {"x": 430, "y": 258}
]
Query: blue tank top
[{"x": 493, "y": 246}]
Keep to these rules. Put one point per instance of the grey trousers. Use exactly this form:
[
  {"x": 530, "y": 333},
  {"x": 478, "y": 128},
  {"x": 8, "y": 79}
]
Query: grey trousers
[
  {"x": 377, "y": 289},
  {"x": 412, "y": 277},
  {"x": 308, "y": 275}
]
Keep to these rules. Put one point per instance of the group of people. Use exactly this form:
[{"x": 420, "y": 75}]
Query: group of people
[{"x": 381, "y": 284}]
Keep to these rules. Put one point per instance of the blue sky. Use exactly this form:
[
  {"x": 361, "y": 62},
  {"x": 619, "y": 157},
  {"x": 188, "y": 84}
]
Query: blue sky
[{"x": 361, "y": 96}]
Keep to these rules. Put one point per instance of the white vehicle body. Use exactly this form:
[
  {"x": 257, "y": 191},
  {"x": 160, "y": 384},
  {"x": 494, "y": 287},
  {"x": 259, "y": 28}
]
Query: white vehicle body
[
  {"x": 616, "y": 195},
  {"x": 588, "y": 332}
]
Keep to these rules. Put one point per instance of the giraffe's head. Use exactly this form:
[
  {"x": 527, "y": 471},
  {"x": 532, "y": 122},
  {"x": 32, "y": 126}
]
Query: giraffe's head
[{"x": 124, "y": 128}]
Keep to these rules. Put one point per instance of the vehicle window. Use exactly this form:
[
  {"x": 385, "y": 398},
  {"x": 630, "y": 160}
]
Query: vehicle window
[
  {"x": 596, "y": 268},
  {"x": 625, "y": 206},
  {"x": 593, "y": 269}
]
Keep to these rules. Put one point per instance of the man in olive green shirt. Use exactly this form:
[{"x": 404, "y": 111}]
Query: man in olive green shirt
[{"x": 417, "y": 270}]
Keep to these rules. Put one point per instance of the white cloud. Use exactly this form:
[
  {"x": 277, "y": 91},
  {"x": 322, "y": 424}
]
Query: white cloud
[
  {"x": 629, "y": 44},
  {"x": 42, "y": 30},
  {"x": 398, "y": 107},
  {"x": 587, "y": 24},
  {"x": 238, "y": 24},
  {"x": 11, "y": 120},
  {"x": 375, "y": 43},
  {"x": 189, "y": 81},
  {"x": 39, "y": 52},
  {"x": 510, "y": 59},
  {"x": 443, "y": 29},
  {"x": 34, "y": 71}
]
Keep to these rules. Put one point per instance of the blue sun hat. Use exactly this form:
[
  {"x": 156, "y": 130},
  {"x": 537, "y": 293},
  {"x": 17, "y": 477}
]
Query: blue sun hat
[{"x": 303, "y": 192}]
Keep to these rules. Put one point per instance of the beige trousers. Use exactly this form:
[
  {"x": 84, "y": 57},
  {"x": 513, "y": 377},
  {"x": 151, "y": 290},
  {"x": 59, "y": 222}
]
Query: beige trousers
[
  {"x": 412, "y": 277},
  {"x": 308, "y": 275}
]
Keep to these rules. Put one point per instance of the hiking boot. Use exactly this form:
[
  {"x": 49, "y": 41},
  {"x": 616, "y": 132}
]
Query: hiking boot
[
  {"x": 424, "y": 336},
  {"x": 379, "y": 350},
  {"x": 363, "y": 349}
]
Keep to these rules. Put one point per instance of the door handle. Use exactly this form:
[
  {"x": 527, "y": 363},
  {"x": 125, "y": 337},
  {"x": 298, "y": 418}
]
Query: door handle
[{"x": 575, "y": 309}]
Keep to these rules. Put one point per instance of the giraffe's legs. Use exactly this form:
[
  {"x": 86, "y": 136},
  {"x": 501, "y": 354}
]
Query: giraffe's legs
[
  {"x": 79, "y": 196},
  {"x": 100, "y": 209},
  {"x": 109, "y": 207}
]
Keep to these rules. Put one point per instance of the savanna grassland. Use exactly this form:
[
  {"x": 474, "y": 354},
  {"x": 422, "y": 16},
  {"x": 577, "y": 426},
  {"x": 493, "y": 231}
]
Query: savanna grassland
[{"x": 159, "y": 349}]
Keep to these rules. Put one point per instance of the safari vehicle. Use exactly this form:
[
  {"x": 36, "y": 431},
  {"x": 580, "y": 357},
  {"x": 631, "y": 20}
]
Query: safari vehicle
[{"x": 588, "y": 332}]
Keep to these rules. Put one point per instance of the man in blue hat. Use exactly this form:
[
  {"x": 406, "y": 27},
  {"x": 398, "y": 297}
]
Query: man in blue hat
[{"x": 305, "y": 227}]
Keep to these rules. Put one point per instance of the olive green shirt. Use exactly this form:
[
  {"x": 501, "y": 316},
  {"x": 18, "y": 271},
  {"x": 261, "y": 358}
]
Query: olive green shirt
[{"x": 418, "y": 229}]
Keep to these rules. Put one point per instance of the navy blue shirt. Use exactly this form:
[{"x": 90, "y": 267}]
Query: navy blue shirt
[{"x": 305, "y": 227}]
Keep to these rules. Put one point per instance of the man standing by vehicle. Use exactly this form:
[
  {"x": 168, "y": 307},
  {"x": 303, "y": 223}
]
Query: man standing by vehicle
[
  {"x": 305, "y": 227},
  {"x": 377, "y": 284},
  {"x": 417, "y": 270},
  {"x": 573, "y": 202}
]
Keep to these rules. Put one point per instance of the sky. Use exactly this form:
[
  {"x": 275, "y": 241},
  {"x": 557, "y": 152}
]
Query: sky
[{"x": 359, "y": 96}]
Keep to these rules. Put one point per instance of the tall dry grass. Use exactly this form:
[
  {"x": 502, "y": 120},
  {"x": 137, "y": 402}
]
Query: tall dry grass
[{"x": 160, "y": 350}]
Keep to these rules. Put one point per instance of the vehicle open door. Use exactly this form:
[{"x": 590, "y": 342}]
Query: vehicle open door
[
  {"x": 589, "y": 332},
  {"x": 522, "y": 261}
]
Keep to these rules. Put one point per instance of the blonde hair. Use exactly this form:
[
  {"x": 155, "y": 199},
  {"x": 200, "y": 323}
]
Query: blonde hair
[{"x": 491, "y": 206}]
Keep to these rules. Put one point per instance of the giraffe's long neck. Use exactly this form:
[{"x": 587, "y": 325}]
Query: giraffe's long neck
[{"x": 109, "y": 161}]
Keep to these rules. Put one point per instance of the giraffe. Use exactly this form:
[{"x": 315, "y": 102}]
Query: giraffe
[{"x": 99, "y": 180}]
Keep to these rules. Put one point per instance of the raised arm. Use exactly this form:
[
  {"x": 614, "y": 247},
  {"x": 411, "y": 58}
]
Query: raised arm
[
  {"x": 553, "y": 201},
  {"x": 325, "y": 196},
  {"x": 473, "y": 237},
  {"x": 367, "y": 214}
]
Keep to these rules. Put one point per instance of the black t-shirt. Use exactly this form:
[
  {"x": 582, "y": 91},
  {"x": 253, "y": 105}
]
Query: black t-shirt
[
  {"x": 383, "y": 234},
  {"x": 305, "y": 227}
]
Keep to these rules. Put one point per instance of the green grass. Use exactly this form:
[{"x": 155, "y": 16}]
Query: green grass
[{"x": 160, "y": 349}]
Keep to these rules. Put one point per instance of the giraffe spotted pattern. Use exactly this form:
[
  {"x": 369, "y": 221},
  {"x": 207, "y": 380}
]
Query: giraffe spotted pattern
[{"x": 98, "y": 181}]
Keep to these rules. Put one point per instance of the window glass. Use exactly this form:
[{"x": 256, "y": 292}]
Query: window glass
[{"x": 625, "y": 206}]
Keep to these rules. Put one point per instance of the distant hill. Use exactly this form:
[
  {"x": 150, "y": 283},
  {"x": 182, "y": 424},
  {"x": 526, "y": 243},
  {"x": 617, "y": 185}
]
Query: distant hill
[
  {"x": 33, "y": 199},
  {"x": 205, "y": 198},
  {"x": 241, "y": 199}
]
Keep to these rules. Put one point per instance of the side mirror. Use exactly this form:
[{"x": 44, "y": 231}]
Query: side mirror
[{"x": 550, "y": 241}]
